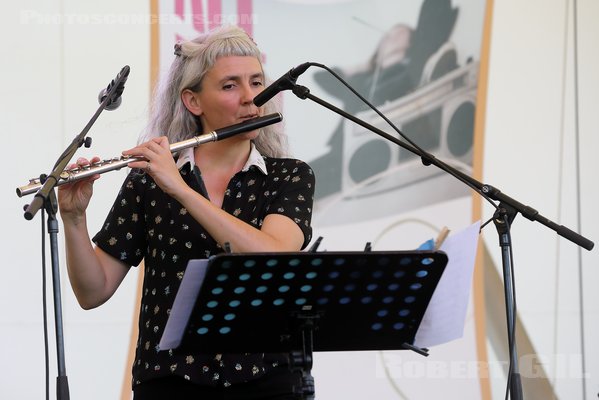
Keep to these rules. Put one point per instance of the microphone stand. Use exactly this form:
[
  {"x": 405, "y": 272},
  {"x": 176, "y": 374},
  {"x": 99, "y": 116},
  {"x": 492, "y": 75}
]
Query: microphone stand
[
  {"x": 505, "y": 213},
  {"x": 46, "y": 197}
]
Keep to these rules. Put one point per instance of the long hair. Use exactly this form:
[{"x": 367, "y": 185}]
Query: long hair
[{"x": 169, "y": 116}]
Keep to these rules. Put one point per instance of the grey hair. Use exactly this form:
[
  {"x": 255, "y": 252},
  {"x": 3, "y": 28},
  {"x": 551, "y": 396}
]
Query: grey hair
[{"x": 169, "y": 116}]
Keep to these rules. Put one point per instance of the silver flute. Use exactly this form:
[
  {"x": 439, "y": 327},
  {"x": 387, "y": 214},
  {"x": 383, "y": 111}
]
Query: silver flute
[{"x": 99, "y": 167}]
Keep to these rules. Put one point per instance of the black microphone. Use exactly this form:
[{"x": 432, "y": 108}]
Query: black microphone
[
  {"x": 116, "y": 99},
  {"x": 285, "y": 82}
]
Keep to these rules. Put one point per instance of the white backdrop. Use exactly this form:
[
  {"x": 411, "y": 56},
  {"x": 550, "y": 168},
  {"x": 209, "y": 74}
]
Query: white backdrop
[{"x": 56, "y": 57}]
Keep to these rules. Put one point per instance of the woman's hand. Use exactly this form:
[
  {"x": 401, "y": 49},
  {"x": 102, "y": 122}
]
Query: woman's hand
[
  {"x": 73, "y": 198},
  {"x": 159, "y": 164}
]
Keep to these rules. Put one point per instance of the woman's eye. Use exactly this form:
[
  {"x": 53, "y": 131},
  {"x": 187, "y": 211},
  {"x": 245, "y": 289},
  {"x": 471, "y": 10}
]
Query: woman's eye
[
  {"x": 257, "y": 83},
  {"x": 228, "y": 86}
]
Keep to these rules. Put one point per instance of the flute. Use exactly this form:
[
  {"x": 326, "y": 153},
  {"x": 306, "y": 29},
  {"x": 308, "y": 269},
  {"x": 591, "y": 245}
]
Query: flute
[{"x": 75, "y": 174}]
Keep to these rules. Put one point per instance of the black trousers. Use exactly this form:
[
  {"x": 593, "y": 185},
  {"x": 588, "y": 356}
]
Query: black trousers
[{"x": 278, "y": 384}]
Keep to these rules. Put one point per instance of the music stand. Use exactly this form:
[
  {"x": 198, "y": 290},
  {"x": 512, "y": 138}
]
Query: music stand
[{"x": 297, "y": 303}]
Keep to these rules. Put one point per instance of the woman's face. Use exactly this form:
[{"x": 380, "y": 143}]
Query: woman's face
[{"x": 227, "y": 91}]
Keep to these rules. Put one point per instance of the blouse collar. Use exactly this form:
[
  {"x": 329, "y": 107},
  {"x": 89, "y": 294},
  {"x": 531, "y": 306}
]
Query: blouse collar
[{"x": 255, "y": 159}]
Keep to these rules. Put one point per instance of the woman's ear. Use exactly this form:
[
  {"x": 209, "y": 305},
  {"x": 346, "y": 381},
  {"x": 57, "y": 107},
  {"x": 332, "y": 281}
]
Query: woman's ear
[{"x": 191, "y": 102}]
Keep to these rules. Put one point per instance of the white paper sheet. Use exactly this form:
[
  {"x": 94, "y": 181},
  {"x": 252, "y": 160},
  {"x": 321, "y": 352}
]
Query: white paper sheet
[
  {"x": 183, "y": 305},
  {"x": 445, "y": 315}
]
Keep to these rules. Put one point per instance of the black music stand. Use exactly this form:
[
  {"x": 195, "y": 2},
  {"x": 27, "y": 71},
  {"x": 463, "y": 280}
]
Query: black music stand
[{"x": 297, "y": 303}]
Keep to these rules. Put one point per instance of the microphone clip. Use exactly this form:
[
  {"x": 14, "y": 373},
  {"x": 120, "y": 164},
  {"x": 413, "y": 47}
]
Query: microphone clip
[
  {"x": 111, "y": 96},
  {"x": 285, "y": 82}
]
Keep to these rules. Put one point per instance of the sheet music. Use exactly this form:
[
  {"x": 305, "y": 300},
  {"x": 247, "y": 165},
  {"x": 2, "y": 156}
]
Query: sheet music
[
  {"x": 183, "y": 305},
  {"x": 445, "y": 315}
]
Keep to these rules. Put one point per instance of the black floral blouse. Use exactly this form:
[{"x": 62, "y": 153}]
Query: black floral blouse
[{"x": 145, "y": 223}]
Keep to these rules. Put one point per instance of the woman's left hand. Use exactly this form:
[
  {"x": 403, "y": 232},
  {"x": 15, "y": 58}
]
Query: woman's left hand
[{"x": 159, "y": 164}]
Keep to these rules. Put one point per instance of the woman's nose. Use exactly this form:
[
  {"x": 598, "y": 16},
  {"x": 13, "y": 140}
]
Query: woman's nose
[{"x": 247, "y": 94}]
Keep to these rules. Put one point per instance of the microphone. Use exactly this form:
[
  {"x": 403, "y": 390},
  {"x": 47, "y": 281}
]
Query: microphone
[
  {"x": 116, "y": 100},
  {"x": 285, "y": 82}
]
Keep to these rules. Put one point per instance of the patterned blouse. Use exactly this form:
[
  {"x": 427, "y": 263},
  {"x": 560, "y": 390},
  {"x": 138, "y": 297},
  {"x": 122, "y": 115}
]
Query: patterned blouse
[{"x": 145, "y": 223}]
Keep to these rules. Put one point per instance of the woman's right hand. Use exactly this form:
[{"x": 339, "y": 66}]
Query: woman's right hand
[{"x": 73, "y": 198}]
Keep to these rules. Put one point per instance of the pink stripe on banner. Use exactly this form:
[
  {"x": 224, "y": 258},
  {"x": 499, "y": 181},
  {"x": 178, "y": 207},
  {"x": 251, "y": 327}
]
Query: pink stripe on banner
[
  {"x": 244, "y": 15},
  {"x": 180, "y": 8},
  {"x": 197, "y": 9},
  {"x": 215, "y": 11}
]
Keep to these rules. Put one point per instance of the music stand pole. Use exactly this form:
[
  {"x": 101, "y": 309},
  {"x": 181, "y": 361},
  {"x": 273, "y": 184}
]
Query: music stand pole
[{"x": 303, "y": 360}]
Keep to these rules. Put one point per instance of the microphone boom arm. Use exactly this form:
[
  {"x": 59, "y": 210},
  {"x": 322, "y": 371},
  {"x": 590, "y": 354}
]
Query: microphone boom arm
[{"x": 427, "y": 159}]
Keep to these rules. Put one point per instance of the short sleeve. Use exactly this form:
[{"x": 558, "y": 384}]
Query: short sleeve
[{"x": 296, "y": 197}]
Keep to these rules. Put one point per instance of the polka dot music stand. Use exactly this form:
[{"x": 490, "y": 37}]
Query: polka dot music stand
[{"x": 298, "y": 303}]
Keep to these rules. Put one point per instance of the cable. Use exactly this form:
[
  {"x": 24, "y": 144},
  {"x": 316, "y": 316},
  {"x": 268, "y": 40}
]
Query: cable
[
  {"x": 560, "y": 181},
  {"x": 578, "y": 205},
  {"x": 396, "y": 129},
  {"x": 514, "y": 309},
  {"x": 485, "y": 224},
  {"x": 45, "y": 306},
  {"x": 512, "y": 321}
]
